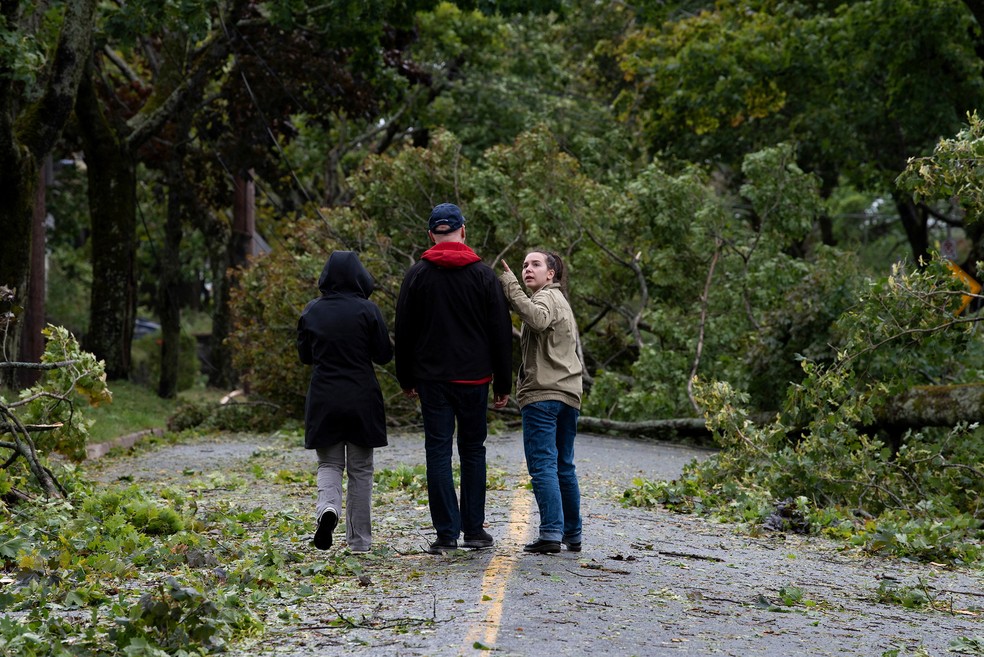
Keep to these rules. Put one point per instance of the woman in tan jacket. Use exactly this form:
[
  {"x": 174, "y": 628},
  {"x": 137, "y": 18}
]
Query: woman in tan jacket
[{"x": 548, "y": 391}]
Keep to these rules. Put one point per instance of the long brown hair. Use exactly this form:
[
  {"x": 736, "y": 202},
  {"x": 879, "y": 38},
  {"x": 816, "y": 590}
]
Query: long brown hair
[{"x": 553, "y": 261}]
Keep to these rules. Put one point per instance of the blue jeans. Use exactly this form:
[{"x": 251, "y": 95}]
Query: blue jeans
[
  {"x": 442, "y": 406},
  {"x": 549, "y": 428}
]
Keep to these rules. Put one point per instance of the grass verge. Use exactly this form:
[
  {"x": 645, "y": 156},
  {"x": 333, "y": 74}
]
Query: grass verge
[{"x": 136, "y": 407}]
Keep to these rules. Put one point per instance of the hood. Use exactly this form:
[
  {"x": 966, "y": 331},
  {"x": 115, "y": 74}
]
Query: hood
[
  {"x": 344, "y": 273},
  {"x": 452, "y": 255}
]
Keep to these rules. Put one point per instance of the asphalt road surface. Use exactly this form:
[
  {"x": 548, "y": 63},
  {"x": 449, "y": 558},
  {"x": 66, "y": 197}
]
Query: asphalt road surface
[{"x": 647, "y": 582}]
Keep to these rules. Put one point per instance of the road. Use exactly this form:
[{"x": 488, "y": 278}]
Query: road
[{"x": 647, "y": 582}]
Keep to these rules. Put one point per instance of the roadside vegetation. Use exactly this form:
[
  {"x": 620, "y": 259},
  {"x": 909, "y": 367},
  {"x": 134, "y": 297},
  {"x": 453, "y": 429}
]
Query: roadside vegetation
[
  {"x": 185, "y": 567},
  {"x": 771, "y": 214}
]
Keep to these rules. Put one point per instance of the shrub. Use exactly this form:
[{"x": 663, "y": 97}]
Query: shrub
[
  {"x": 145, "y": 354},
  {"x": 234, "y": 417}
]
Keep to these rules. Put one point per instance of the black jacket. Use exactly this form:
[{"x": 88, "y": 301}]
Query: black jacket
[
  {"x": 452, "y": 321},
  {"x": 342, "y": 334}
]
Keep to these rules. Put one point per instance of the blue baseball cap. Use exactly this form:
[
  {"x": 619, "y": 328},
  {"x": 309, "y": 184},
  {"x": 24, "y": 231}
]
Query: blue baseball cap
[{"x": 446, "y": 215}]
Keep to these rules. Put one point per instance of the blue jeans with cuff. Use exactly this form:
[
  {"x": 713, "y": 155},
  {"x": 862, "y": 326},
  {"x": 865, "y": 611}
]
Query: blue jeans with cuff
[
  {"x": 549, "y": 428},
  {"x": 444, "y": 405}
]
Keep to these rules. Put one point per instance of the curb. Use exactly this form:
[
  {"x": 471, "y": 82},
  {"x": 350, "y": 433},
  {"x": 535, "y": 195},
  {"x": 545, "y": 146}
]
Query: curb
[{"x": 123, "y": 442}]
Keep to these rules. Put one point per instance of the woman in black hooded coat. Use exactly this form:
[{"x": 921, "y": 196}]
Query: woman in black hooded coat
[{"x": 342, "y": 334}]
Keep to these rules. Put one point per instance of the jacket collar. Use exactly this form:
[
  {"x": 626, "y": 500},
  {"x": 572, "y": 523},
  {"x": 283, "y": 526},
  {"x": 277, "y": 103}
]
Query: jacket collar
[{"x": 452, "y": 255}]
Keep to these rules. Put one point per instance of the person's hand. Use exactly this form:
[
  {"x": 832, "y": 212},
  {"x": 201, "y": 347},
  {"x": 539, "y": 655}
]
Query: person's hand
[
  {"x": 500, "y": 401},
  {"x": 410, "y": 393},
  {"x": 505, "y": 265}
]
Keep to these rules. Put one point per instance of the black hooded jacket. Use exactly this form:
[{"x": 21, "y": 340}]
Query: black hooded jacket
[
  {"x": 452, "y": 321},
  {"x": 342, "y": 334}
]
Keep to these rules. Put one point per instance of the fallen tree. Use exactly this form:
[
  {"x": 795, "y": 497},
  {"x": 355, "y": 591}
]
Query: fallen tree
[
  {"x": 919, "y": 407},
  {"x": 44, "y": 418}
]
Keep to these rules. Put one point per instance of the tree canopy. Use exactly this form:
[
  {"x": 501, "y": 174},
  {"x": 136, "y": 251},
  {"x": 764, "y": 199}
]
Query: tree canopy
[
  {"x": 752, "y": 196},
  {"x": 770, "y": 212}
]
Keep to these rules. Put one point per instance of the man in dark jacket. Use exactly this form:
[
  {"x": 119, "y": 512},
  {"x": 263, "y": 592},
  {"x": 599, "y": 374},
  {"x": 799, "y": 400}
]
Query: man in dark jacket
[
  {"x": 454, "y": 338},
  {"x": 342, "y": 334}
]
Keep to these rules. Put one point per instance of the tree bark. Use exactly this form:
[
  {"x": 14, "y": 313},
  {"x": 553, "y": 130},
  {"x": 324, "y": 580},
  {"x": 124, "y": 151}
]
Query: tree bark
[
  {"x": 18, "y": 186},
  {"x": 169, "y": 287},
  {"x": 671, "y": 429},
  {"x": 28, "y": 132},
  {"x": 221, "y": 373},
  {"x": 32, "y": 342},
  {"x": 112, "y": 205},
  {"x": 933, "y": 406},
  {"x": 920, "y": 407},
  {"x": 111, "y": 143}
]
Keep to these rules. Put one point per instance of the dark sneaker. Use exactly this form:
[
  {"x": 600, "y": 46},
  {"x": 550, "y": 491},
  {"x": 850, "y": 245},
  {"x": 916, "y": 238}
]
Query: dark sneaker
[
  {"x": 541, "y": 546},
  {"x": 572, "y": 546},
  {"x": 326, "y": 525},
  {"x": 442, "y": 545},
  {"x": 482, "y": 539}
]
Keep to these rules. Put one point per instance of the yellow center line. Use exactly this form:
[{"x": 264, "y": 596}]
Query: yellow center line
[{"x": 501, "y": 565}]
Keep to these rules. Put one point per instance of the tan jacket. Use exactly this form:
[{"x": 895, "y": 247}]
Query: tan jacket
[{"x": 551, "y": 369}]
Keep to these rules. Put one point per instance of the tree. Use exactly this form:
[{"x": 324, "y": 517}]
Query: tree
[
  {"x": 115, "y": 123},
  {"x": 834, "y": 78},
  {"x": 44, "y": 419},
  {"x": 141, "y": 86},
  {"x": 37, "y": 93}
]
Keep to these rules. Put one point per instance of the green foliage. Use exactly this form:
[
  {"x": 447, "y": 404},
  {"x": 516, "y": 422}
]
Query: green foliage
[
  {"x": 134, "y": 507},
  {"x": 77, "y": 556},
  {"x": 134, "y": 408},
  {"x": 728, "y": 81},
  {"x": 24, "y": 52},
  {"x": 52, "y": 401},
  {"x": 638, "y": 302},
  {"x": 145, "y": 360},
  {"x": 968, "y": 645},
  {"x": 920, "y": 500},
  {"x": 273, "y": 292},
  {"x": 501, "y": 75},
  {"x": 69, "y": 280},
  {"x": 690, "y": 237},
  {"x": 954, "y": 171},
  {"x": 411, "y": 479},
  {"x": 911, "y": 597},
  {"x": 206, "y": 417},
  {"x": 128, "y": 22},
  {"x": 175, "y": 618},
  {"x": 801, "y": 325}
]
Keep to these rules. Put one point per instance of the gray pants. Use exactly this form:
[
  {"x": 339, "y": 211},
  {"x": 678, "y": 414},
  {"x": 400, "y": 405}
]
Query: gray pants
[{"x": 358, "y": 502}]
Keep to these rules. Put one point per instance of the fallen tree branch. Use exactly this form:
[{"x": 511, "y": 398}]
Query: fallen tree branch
[
  {"x": 691, "y": 427},
  {"x": 35, "y": 366},
  {"x": 6, "y": 427},
  {"x": 688, "y": 555}
]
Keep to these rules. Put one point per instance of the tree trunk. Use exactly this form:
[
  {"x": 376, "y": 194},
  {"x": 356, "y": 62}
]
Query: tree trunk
[
  {"x": 932, "y": 406},
  {"x": 32, "y": 342},
  {"x": 18, "y": 181},
  {"x": 112, "y": 207},
  {"x": 221, "y": 373},
  {"x": 671, "y": 429},
  {"x": 238, "y": 246},
  {"x": 922, "y": 406},
  {"x": 28, "y": 132},
  {"x": 169, "y": 286},
  {"x": 179, "y": 203},
  {"x": 216, "y": 231},
  {"x": 915, "y": 223}
]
